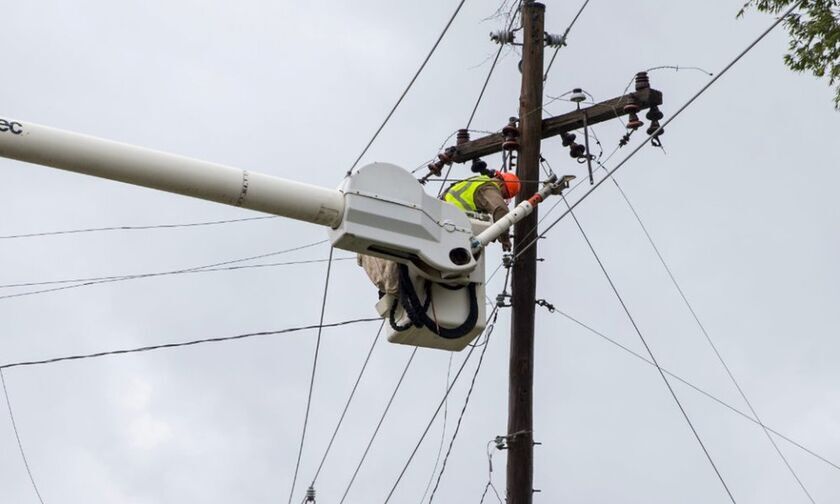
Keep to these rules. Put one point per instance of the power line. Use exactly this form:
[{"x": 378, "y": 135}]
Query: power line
[
  {"x": 437, "y": 411},
  {"x": 697, "y": 389},
  {"x": 347, "y": 404},
  {"x": 312, "y": 375},
  {"x": 379, "y": 424},
  {"x": 17, "y": 437},
  {"x": 709, "y": 340},
  {"x": 650, "y": 353},
  {"x": 410, "y": 84},
  {"x": 464, "y": 408},
  {"x": 563, "y": 38},
  {"x": 173, "y": 272},
  {"x": 183, "y": 344},
  {"x": 169, "y": 273},
  {"x": 487, "y": 334},
  {"x": 490, "y": 485},
  {"x": 442, "y": 432},
  {"x": 514, "y": 11},
  {"x": 135, "y": 228},
  {"x": 662, "y": 127}
]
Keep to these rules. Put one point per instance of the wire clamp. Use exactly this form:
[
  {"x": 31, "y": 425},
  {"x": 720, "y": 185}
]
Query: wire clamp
[
  {"x": 507, "y": 259},
  {"x": 502, "y": 442},
  {"x": 545, "y": 304}
]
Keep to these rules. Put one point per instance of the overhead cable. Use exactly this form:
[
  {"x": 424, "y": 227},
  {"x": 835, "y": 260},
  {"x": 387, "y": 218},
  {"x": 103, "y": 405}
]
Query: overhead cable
[
  {"x": 709, "y": 340},
  {"x": 182, "y": 344},
  {"x": 563, "y": 38},
  {"x": 697, "y": 389},
  {"x": 483, "y": 89},
  {"x": 492, "y": 67},
  {"x": 650, "y": 354},
  {"x": 487, "y": 335},
  {"x": 347, "y": 405},
  {"x": 379, "y": 424},
  {"x": 312, "y": 375},
  {"x": 444, "y": 423},
  {"x": 410, "y": 84},
  {"x": 436, "y": 412},
  {"x": 135, "y": 228},
  {"x": 173, "y": 272},
  {"x": 17, "y": 437},
  {"x": 662, "y": 127}
]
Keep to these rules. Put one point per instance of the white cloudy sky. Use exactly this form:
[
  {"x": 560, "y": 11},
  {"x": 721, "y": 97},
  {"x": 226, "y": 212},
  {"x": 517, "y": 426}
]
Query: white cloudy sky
[{"x": 743, "y": 207}]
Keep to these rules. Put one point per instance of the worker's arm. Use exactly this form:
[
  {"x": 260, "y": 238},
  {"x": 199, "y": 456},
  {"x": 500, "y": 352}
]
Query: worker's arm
[{"x": 488, "y": 198}]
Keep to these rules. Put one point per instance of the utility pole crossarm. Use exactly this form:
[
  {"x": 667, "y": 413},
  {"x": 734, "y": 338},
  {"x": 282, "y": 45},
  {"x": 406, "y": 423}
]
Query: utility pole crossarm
[{"x": 553, "y": 126}]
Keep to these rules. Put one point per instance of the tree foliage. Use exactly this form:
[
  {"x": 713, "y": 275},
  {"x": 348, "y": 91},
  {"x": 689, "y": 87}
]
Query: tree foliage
[{"x": 814, "y": 28}]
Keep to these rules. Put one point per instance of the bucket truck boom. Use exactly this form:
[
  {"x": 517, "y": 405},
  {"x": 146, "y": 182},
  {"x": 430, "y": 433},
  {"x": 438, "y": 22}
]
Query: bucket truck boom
[{"x": 379, "y": 210}]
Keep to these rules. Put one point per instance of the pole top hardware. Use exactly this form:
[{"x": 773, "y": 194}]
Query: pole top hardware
[
  {"x": 545, "y": 304},
  {"x": 577, "y": 95},
  {"x": 503, "y": 37},
  {"x": 554, "y": 40}
]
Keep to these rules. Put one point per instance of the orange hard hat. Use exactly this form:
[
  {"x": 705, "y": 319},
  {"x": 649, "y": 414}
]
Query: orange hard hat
[{"x": 511, "y": 182}]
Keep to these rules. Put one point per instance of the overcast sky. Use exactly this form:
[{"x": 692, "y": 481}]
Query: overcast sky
[{"x": 743, "y": 207}]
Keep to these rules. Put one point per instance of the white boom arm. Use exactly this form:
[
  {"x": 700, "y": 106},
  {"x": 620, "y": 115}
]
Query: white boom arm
[
  {"x": 380, "y": 210},
  {"x": 522, "y": 210},
  {"x": 168, "y": 172}
]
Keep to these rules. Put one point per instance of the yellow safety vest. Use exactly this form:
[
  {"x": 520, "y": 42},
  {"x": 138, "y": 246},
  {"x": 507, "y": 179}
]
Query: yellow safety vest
[{"x": 462, "y": 194}]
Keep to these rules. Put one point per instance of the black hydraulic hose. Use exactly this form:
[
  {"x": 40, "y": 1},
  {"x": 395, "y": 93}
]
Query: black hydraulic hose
[{"x": 417, "y": 313}]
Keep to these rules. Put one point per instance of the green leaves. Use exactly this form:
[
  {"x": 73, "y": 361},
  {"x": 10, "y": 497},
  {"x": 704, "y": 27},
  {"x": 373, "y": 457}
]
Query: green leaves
[{"x": 814, "y": 29}]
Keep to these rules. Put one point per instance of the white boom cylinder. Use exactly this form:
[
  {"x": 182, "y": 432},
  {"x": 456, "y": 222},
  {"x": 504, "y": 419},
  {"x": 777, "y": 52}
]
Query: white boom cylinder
[
  {"x": 89, "y": 155},
  {"x": 521, "y": 211}
]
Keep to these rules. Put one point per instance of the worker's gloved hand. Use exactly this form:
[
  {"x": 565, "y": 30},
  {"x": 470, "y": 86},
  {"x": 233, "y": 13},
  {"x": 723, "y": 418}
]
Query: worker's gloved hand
[{"x": 505, "y": 241}]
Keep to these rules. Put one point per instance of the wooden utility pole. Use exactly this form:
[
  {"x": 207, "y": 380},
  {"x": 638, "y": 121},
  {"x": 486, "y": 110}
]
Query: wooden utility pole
[
  {"x": 520, "y": 442},
  {"x": 532, "y": 129}
]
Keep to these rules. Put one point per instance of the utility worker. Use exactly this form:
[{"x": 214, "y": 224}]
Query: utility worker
[{"x": 486, "y": 193}]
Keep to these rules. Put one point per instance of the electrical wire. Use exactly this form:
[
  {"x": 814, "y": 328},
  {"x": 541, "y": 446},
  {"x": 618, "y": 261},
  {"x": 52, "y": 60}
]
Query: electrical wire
[
  {"x": 312, "y": 375},
  {"x": 488, "y": 333},
  {"x": 379, "y": 424},
  {"x": 410, "y": 84},
  {"x": 668, "y": 67},
  {"x": 514, "y": 12},
  {"x": 698, "y": 389},
  {"x": 176, "y": 272},
  {"x": 563, "y": 38},
  {"x": 135, "y": 228},
  {"x": 709, "y": 339},
  {"x": 662, "y": 126},
  {"x": 17, "y": 437},
  {"x": 650, "y": 353},
  {"x": 442, "y": 432},
  {"x": 490, "y": 485},
  {"x": 347, "y": 405},
  {"x": 208, "y": 267},
  {"x": 182, "y": 344},
  {"x": 437, "y": 411}
]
